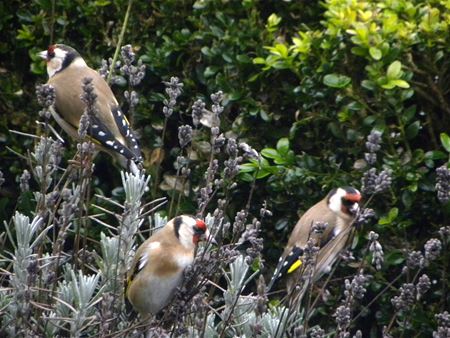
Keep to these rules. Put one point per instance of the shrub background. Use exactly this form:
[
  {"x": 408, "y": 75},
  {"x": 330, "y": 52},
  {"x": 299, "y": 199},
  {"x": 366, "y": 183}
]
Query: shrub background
[{"x": 304, "y": 83}]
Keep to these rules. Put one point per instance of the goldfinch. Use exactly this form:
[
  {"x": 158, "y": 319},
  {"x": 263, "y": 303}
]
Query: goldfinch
[
  {"x": 158, "y": 265},
  {"x": 109, "y": 128},
  {"x": 337, "y": 212}
]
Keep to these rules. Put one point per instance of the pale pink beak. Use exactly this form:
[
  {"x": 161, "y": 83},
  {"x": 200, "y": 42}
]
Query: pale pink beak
[{"x": 209, "y": 238}]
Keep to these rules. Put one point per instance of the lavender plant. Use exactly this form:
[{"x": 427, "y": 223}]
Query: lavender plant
[{"x": 61, "y": 279}]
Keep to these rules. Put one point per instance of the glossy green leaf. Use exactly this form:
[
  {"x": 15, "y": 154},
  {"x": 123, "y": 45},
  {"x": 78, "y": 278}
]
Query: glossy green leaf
[
  {"x": 375, "y": 53},
  {"x": 412, "y": 130},
  {"x": 435, "y": 155},
  {"x": 389, "y": 218},
  {"x": 259, "y": 61},
  {"x": 246, "y": 177},
  {"x": 242, "y": 58},
  {"x": 247, "y": 167},
  {"x": 262, "y": 173},
  {"x": 389, "y": 85},
  {"x": 370, "y": 85},
  {"x": 394, "y": 70},
  {"x": 408, "y": 114},
  {"x": 445, "y": 140},
  {"x": 210, "y": 71},
  {"x": 336, "y": 80},
  {"x": 270, "y": 153},
  {"x": 283, "y": 145},
  {"x": 400, "y": 83}
]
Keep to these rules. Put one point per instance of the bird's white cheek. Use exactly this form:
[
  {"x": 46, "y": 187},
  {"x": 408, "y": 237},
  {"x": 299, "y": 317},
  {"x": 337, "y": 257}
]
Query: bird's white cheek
[{"x": 53, "y": 66}]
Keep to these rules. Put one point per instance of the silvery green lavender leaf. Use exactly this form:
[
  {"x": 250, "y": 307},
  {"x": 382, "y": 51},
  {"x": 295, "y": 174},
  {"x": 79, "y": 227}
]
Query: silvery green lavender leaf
[
  {"x": 108, "y": 263},
  {"x": 134, "y": 186},
  {"x": 275, "y": 321},
  {"x": 157, "y": 221},
  {"x": 76, "y": 299},
  {"x": 238, "y": 272},
  {"x": 24, "y": 230}
]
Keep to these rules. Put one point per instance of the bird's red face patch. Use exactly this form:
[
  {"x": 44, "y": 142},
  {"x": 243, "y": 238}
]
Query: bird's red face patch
[
  {"x": 201, "y": 225},
  {"x": 51, "y": 52},
  {"x": 199, "y": 230},
  {"x": 355, "y": 198},
  {"x": 350, "y": 203}
]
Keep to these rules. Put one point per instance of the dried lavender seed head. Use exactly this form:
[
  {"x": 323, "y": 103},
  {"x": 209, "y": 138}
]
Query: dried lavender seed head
[
  {"x": 239, "y": 220},
  {"x": 134, "y": 73},
  {"x": 299, "y": 332},
  {"x": 358, "y": 334},
  {"x": 423, "y": 285},
  {"x": 173, "y": 89},
  {"x": 263, "y": 212},
  {"x": 372, "y": 145},
  {"x": 317, "y": 332},
  {"x": 219, "y": 142},
  {"x": 310, "y": 253},
  {"x": 432, "y": 249},
  {"x": 415, "y": 259},
  {"x": 373, "y": 141},
  {"x": 406, "y": 299},
  {"x": 443, "y": 322},
  {"x": 217, "y": 99},
  {"x": 104, "y": 69},
  {"x": 231, "y": 168},
  {"x": 198, "y": 109},
  {"x": 51, "y": 199},
  {"x": 215, "y": 131},
  {"x": 184, "y": 135},
  {"x": 132, "y": 98},
  {"x": 249, "y": 152},
  {"x": 364, "y": 216},
  {"x": 372, "y": 182},
  {"x": 357, "y": 285},
  {"x": 376, "y": 249},
  {"x": 86, "y": 149},
  {"x": 371, "y": 158},
  {"x": 443, "y": 183},
  {"x": 24, "y": 181},
  {"x": 232, "y": 148},
  {"x": 46, "y": 98},
  {"x": 343, "y": 316},
  {"x": 88, "y": 97},
  {"x": 83, "y": 125},
  {"x": 56, "y": 153},
  {"x": 46, "y": 95},
  {"x": 167, "y": 111},
  {"x": 347, "y": 256},
  {"x": 373, "y": 236},
  {"x": 445, "y": 233},
  {"x": 368, "y": 181},
  {"x": 127, "y": 54},
  {"x": 383, "y": 181}
]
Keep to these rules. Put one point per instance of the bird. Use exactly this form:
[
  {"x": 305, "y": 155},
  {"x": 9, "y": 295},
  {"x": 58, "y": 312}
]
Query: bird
[
  {"x": 336, "y": 212},
  {"x": 158, "y": 265},
  {"x": 109, "y": 128}
]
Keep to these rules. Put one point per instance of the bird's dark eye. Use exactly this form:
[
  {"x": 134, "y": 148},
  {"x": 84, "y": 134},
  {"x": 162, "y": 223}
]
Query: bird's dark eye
[
  {"x": 51, "y": 52},
  {"x": 347, "y": 203},
  {"x": 198, "y": 231}
]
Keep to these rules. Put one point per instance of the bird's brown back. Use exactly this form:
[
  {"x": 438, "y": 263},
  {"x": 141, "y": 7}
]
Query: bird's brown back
[{"x": 68, "y": 86}]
